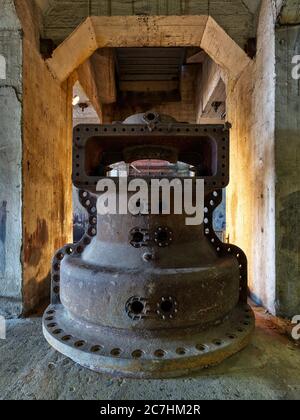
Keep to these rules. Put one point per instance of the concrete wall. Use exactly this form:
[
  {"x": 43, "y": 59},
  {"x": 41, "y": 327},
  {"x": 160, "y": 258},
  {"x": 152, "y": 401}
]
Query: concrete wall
[
  {"x": 10, "y": 163},
  {"x": 287, "y": 155},
  {"x": 251, "y": 194},
  {"x": 35, "y": 162}
]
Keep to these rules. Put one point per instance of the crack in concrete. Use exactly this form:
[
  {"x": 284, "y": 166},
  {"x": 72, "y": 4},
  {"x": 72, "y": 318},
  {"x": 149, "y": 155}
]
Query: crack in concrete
[{"x": 18, "y": 94}]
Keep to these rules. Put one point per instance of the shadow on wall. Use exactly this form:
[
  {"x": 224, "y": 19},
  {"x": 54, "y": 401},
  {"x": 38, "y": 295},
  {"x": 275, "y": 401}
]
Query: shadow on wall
[
  {"x": 289, "y": 222},
  {"x": 3, "y": 220}
]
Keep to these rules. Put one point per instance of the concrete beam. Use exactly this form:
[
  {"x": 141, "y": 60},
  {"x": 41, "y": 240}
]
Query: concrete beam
[
  {"x": 103, "y": 63},
  {"x": 210, "y": 89},
  {"x": 223, "y": 50},
  {"x": 86, "y": 76},
  {"x": 134, "y": 31}
]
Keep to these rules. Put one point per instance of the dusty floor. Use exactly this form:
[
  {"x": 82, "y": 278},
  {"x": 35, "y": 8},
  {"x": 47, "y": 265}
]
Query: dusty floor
[{"x": 268, "y": 369}]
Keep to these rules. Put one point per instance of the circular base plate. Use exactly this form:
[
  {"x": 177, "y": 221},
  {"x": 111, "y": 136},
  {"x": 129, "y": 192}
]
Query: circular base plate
[{"x": 147, "y": 354}]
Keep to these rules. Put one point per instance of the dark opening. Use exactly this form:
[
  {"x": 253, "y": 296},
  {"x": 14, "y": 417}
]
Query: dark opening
[
  {"x": 166, "y": 306},
  {"x": 162, "y": 236},
  {"x": 137, "y": 307},
  {"x": 150, "y": 116},
  {"x": 137, "y": 237}
]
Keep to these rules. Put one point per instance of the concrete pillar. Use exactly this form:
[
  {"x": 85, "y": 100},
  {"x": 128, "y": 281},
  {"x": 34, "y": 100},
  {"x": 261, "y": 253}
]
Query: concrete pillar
[
  {"x": 287, "y": 158},
  {"x": 10, "y": 161}
]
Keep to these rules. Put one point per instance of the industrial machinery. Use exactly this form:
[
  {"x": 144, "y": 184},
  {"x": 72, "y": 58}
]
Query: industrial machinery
[{"x": 146, "y": 295}]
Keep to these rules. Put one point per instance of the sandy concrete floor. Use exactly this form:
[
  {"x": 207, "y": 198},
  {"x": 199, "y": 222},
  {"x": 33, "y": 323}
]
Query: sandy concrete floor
[{"x": 29, "y": 369}]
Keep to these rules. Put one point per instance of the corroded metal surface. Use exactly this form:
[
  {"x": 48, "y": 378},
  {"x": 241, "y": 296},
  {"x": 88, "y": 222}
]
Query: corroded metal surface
[
  {"x": 147, "y": 355},
  {"x": 148, "y": 295}
]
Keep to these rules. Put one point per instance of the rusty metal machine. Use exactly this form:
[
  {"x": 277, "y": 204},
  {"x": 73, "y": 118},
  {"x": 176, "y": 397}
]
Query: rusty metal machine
[{"x": 147, "y": 295}]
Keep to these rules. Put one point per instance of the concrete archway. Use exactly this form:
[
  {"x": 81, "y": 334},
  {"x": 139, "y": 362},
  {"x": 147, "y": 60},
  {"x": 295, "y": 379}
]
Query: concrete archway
[{"x": 143, "y": 31}]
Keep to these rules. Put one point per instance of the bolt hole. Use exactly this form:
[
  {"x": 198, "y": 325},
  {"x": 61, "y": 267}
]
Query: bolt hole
[
  {"x": 67, "y": 338},
  {"x": 79, "y": 343},
  {"x": 92, "y": 232},
  {"x": 96, "y": 349},
  {"x": 217, "y": 342},
  {"x": 150, "y": 116},
  {"x": 137, "y": 307},
  {"x": 166, "y": 306},
  {"x": 57, "y": 332},
  {"x": 137, "y": 354},
  {"x": 200, "y": 347},
  {"x": 115, "y": 352},
  {"x": 79, "y": 249},
  {"x": 159, "y": 353},
  {"x": 181, "y": 351},
  {"x": 137, "y": 237},
  {"x": 162, "y": 236}
]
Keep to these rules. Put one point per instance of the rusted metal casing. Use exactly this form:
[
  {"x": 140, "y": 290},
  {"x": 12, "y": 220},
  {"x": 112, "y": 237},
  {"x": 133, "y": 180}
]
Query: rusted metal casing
[{"x": 148, "y": 295}]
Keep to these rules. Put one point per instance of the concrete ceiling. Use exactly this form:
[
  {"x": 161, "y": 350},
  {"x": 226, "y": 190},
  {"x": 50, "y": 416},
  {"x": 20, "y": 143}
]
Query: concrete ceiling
[
  {"x": 237, "y": 17},
  {"x": 44, "y": 5},
  {"x": 290, "y": 13}
]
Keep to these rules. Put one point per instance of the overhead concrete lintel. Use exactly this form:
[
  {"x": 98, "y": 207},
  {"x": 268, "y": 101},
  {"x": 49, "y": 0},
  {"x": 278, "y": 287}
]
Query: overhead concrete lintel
[
  {"x": 223, "y": 50},
  {"x": 147, "y": 31},
  {"x": 74, "y": 51}
]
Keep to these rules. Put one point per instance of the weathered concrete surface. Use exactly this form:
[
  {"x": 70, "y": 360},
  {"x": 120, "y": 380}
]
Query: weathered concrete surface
[
  {"x": 46, "y": 163},
  {"x": 10, "y": 163},
  {"x": 10, "y": 203},
  {"x": 290, "y": 13},
  {"x": 237, "y": 17},
  {"x": 268, "y": 369},
  {"x": 251, "y": 192},
  {"x": 287, "y": 155}
]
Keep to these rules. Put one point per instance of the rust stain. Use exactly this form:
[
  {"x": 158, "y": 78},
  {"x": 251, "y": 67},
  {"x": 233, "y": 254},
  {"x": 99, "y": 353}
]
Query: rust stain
[{"x": 34, "y": 243}]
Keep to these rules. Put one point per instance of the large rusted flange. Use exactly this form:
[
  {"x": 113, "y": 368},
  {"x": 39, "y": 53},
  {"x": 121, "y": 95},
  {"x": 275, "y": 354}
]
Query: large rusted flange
[{"x": 162, "y": 355}]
